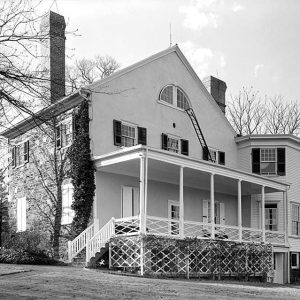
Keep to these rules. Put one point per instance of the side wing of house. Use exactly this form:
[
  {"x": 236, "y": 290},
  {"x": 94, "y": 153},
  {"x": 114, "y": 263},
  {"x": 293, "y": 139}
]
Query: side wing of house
[{"x": 133, "y": 98}]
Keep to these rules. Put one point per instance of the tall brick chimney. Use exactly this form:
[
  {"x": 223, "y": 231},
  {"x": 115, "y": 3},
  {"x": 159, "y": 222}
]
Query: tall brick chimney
[
  {"x": 53, "y": 50},
  {"x": 217, "y": 89}
]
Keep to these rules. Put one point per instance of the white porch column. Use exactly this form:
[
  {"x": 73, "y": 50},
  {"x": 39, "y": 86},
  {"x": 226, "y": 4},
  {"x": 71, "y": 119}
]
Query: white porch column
[
  {"x": 181, "y": 206},
  {"x": 240, "y": 210},
  {"x": 263, "y": 218},
  {"x": 146, "y": 189},
  {"x": 285, "y": 216},
  {"x": 142, "y": 194},
  {"x": 212, "y": 204}
]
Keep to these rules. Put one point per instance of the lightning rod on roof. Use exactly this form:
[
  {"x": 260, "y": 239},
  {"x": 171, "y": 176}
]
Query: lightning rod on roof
[{"x": 170, "y": 35}]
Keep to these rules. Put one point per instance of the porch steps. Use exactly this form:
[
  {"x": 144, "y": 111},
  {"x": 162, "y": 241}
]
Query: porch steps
[
  {"x": 78, "y": 262},
  {"x": 206, "y": 153},
  {"x": 99, "y": 255}
]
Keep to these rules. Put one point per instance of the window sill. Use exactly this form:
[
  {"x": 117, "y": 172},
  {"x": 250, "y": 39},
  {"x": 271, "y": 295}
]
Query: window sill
[
  {"x": 170, "y": 105},
  {"x": 294, "y": 236}
]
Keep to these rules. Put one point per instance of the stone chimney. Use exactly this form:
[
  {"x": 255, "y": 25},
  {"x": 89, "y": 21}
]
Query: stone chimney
[
  {"x": 217, "y": 89},
  {"x": 53, "y": 51}
]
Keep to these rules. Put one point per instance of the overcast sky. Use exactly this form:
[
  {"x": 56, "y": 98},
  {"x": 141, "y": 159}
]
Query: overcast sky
[{"x": 245, "y": 43}]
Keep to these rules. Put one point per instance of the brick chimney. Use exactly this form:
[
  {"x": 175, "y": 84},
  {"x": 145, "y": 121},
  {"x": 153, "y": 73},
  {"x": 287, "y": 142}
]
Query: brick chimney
[
  {"x": 217, "y": 89},
  {"x": 53, "y": 50}
]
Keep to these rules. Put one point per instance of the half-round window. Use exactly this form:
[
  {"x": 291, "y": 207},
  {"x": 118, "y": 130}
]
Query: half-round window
[
  {"x": 167, "y": 94},
  {"x": 175, "y": 96}
]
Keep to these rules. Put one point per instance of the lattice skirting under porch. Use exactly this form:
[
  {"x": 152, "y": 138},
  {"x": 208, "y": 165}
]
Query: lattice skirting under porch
[{"x": 190, "y": 257}]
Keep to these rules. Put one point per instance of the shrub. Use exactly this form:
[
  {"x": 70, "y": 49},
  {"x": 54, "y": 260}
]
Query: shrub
[{"x": 28, "y": 247}]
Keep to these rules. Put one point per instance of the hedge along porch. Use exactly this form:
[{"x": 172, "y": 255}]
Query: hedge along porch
[{"x": 177, "y": 197}]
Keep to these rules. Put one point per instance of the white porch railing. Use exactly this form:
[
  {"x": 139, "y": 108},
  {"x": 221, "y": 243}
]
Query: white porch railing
[
  {"x": 123, "y": 226},
  {"x": 100, "y": 238},
  {"x": 275, "y": 237},
  {"x": 170, "y": 227},
  {"x": 251, "y": 234},
  {"x": 225, "y": 232},
  {"x": 78, "y": 244}
]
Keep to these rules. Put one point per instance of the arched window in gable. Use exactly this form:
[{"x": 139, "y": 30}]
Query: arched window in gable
[{"x": 174, "y": 96}]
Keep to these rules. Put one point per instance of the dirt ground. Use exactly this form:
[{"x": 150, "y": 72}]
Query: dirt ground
[{"x": 49, "y": 282}]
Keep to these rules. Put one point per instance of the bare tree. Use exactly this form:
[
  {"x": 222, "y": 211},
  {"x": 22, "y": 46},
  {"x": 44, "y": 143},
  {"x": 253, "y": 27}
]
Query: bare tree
[
  {"x": 86, "y": 71},
  {"x": 282, "y": 117},
  {"x": 249, "y": 114},
  {"x": 20, "y": 78},
  {"x": 246, "y": 112}
]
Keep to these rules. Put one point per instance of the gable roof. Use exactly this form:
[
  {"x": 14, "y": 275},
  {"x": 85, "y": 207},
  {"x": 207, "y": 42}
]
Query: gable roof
[
  {"x": 173, "y": 49},
  {"x": 74, "y": 99}
]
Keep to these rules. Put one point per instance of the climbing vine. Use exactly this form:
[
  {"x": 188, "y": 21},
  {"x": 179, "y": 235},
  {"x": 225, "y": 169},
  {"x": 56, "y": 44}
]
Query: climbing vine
[{"x": 81, "y": 170}]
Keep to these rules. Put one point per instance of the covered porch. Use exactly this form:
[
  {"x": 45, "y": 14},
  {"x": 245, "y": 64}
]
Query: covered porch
[{"x": 166, "y": 194}]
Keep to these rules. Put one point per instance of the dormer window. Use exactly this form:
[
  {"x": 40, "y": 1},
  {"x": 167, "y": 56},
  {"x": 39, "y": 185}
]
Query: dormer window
[{"x": 175, "y": 96}]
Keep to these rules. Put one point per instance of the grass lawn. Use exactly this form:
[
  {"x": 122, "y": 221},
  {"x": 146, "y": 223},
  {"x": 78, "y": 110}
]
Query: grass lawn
[{"x": 56, "y": 282}]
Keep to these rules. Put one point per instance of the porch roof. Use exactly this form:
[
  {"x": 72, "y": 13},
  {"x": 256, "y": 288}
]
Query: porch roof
[{"x": 108, "y": 162}]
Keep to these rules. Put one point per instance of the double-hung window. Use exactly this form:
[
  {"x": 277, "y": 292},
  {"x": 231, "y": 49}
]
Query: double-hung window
[
  {"x": 20, "y": 154},
  {"x": 215, "y": 155},
  {"x": 271, "y": 217},
  {"x": 128, "y": 134},
  {"x": 268, "y": 161},
  {"x": 295, "y": 260},
  {"x": 174, "y": 144},
  {"x": 64, "y": 133},
  {"x": 295, "y": 219}
]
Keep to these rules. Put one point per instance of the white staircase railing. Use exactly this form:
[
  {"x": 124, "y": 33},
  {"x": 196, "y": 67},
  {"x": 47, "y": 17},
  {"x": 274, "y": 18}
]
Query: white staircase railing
[
  {"x": 100, "y": 238},
  {"x": 78, "y": 244}
]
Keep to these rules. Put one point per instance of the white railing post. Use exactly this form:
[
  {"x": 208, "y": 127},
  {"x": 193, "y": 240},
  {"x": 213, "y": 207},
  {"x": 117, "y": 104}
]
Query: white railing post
[
  {"x": 113, "y": 226},
  {"x": 70, "y": 251},
  {"x": 212, "y": 205},
  {"x": 142, "y": 194},
  {"x": 181, "y": 205},
  {"x": 240, "y": 210},
  {"x": 87, "y": 255},
  {"x": 263, "y": 227}
]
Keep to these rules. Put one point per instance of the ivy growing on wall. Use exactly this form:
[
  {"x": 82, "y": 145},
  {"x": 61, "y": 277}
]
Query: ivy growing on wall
[{"x": 81, "y": 170}]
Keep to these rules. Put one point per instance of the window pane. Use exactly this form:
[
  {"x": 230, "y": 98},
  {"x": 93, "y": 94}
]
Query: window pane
[
  {"x": 167, "y": 94},
  {"x": 173, "y": 145},
  {"x": 268, "y": 168},
  {"x": 182, "y": 101},
  {"x": 268, "y": 154}
]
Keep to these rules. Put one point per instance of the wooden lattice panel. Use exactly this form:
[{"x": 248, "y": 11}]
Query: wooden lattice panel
[
  {"x": 125, "y": 252},
  {"x": 196, "y": 257}
]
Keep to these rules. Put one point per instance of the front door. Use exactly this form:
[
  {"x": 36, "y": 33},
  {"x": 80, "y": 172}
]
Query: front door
[
  {"x": 130, "y": 204},
  {"x": 173, "y": 212},
  {"x": 278, "y": 267}
]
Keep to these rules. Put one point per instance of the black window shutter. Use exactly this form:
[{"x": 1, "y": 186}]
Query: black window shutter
[
  {"x": 281, "y": 161},
  {"x": 184, "y": 147},
  {"x": 26, "y": 151},
  {"x": 221, "y": 158},
  {"x": 164, "y": 141},
  {"x": 205, "y": 153},
  {"x": 58, "y": 136},
  {"x": 117, "y": 133},
  {"x": 74, "y": 125},
  {"x": 256, "y": 160},
  {"x": 13, "y": 156},
  {"x": 142, "y": 136}
]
